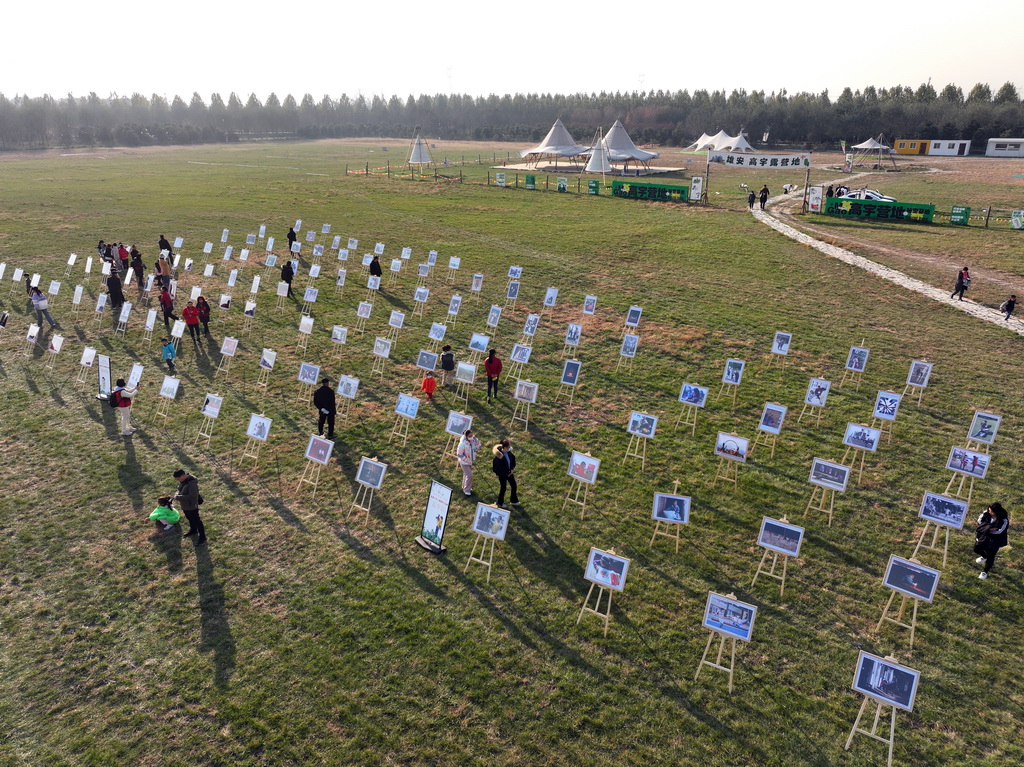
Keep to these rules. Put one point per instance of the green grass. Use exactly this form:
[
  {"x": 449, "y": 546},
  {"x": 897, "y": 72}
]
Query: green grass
[{"x": 298, "y": 637}]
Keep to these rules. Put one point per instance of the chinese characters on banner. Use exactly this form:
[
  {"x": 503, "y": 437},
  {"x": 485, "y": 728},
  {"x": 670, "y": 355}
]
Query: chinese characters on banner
[
  {"x": 653, "y": 192},
  {"x": 801, "y": 160},
  {"x": 888, "y": 211}
]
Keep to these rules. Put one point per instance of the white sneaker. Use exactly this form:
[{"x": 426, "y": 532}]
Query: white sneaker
[
  {"x": 126, "y": 433},
  {"x": 983, "y": 575},
  {"x": 467, "y": 493},
  {"x": 980, "y": 560}
]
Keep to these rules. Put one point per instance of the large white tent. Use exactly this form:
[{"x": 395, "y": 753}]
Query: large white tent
[
  {"x": 620, "y": 146},
  {"x": 721, "y": 142},
  {"x": 558, "y": 143},
  {"x": 419, "y": 154}
]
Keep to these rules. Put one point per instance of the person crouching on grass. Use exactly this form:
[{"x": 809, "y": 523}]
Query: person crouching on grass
[{"x": 165, "y": 515}]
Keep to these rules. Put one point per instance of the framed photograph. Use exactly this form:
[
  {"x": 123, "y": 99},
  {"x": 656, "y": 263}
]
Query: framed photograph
[
  {"x": 550, "y": 297},
  {"x": 490, "y": 521},
  {"x": 136, "y": 375},
  {"x": 607, "y": 569},
  {"x": 407, "y": 406},
  {"x": 629, "y": 344},
  {"x": 671, "y": 508},
  {"x": 572, "y": 334},
  {"x": 267, "y": 359},
  {"x": 364, "y": 309},
  {"x": 733, "y": 372},
  {"x": 857, "y": 358},
  {"x": 530, "y": 327},
  {"x": 458, "y": 423},
  {"x": 348, "y": 387},
  {"x": 422, "y": 270},
  {"x": 633, "y": 316},
  {"x": 396, "y": 264},
  {"x": 421, "y": 295},
  {"x": 367, "y": 259},
  {"x": 339, "y": 334},
  {"x": 493, "y": 316},
  {"x": 478, "y": 343},
  {"x": 780, "y": 537},
  {"x": 913, "y": 580},
  {"x": 228, "y": 251},
  {"x": 435, "y": 515},
  {"x": 465, "y": 373},
  {"x": 772, "y": 417},
  {"x": 371, "y": 473},
  {"x": 250, "y": 309},
  {"x": 353, "y": 243},
  {"x": 512, "y": 291},
  {"x": 817, "y": 392},
  {"x": 396, "y": 320},
  {"x": 305, "y": 324},
  {"x": 56, "y": 344},
  {"x": 336, "y": 242},
  {"x": 589, "y": 304},
  {"x": 169, "y": 388},
  {"x": 54, "y": 288},
  {"x": 325, "y": 229},
  {"x": 426, "y": 360},
  {"x": 88, "y": 357},
  {"x": 964, "y": 461},
  {"x": 373, "y": 282},
  {"x": 885, "y": 681},
  {"x": 437, "y": 331},
  {"x": 862, "y": 437},
  {"x": 729, "y": 616},
  {"x": 691, "y": 394},
  {"x": 525, "y": 392},
  {"x": 477, "y": 283},
  {"x": 343, "y": 254},
  {"x": 943, "y": 510},
  {"x": 919, "y": 373},
  {"x": 318, "y": 251},
  {"x": 571, "y": 372},
  {"x": 732, "y": 447},
  {"x": 984, "y": 427},
  {"x": 432, "y": 258},
  {"x": 225, "y": 301},
  {"x": 319, "y": 449},
  {"x": 583, "y": 467},
  {"x": 887, "y": 404},
  {"x": 310, "y": 235},
  {"x": 515, "y": 272},
  {"x": 382, "y": 347},
  {"x": 827, "y": 474},
  {"x": 454, "y": 305},
  {"x": 454, "y": 262},
  {"x": 229, "y": 346},
  {"x": 309, "y": 373},
  {"x": 282, "y": 289},
  {"x": 208, "y": 248},
  {"x": 642, "y": 424},
  {"x": 780, "y": 344},
  {"x": 521, "y": 353}
]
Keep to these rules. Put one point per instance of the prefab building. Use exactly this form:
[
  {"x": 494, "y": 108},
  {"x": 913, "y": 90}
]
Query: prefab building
[
  {"x": 1005, "y": 147},
  {"x": 911, "y": 146},
  {"x": 941, "y": 148}
]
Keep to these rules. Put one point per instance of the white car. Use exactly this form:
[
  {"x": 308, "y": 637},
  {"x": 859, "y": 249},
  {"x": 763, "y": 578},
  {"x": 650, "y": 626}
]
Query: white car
[{"x": 867, "y": 194}]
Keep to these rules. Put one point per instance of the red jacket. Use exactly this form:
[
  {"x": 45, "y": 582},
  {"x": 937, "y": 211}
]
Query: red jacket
[
  {"x": 492, "y": 366},
  {"x": 166, "y": 301},
  {"x": 191, "y": 315}
]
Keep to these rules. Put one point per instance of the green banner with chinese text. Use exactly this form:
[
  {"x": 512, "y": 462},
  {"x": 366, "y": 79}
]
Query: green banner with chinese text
[
  {"x": 633, "y": 190},
  {"x": 876, "y": 209}
]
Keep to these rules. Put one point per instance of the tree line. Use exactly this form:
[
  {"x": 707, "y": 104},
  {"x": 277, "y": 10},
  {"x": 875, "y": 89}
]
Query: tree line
[{"x": 671, "y": 118}]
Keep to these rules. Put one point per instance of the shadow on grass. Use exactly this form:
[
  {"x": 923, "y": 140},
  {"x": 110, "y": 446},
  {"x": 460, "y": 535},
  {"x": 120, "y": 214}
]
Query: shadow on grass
[
  {"x": 215, "y": 632},
  {"x": 168, "y": 543},
  {"x": 131, "y": 477}
]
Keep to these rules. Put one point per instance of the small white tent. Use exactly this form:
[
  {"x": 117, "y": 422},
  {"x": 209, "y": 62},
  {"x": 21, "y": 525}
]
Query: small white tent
[
  {"x": 620, "y": 146},
  {"x": 558, "y": 143},
  {"x": 873, "y": 151},
  {"x": 598, "y": 162},
  {"x": 721, "y": 142},
  {"x": 419, "y": 154}
]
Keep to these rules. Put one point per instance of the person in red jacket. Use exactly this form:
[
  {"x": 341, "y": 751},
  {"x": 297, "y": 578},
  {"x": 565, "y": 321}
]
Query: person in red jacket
[
  {"x": 191, "y": 316},
  {"x": 203, "y": 307},
  {"x": 492, "y": 366},
  {"x": 167, "y": 304}
]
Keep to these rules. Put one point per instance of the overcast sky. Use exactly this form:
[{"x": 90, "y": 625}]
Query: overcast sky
[{"x": 412, "y": 48}]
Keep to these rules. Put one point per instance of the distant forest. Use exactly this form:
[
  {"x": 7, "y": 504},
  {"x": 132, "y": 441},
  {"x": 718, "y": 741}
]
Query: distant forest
[{"x": 805, "y": 120}]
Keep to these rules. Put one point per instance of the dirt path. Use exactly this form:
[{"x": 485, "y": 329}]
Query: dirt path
[{"x": 787, "y": 203}]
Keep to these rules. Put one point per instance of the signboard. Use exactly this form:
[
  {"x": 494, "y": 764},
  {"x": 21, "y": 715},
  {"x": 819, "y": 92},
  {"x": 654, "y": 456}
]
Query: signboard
[
  {"x": 1017, "y": 219},
  {"x": 696, "y": 188},
  {"x": 594, "y": 186},
  {"x": 815, "y": 195},
  {"x": 531, "y": 181},
  {"x": 563, "y": 184},
  {"x": 654, "y": 192},
  {"x": 884, "y": 211},
  {"x": 435, "y": 518},
  {"x": 960, "y": 215},
  {"x": 741, "y": 160},
  {"x": 499, "y": 179}
]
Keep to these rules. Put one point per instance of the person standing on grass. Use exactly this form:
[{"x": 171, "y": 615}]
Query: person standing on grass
[
  {"x": 466, "y": 452},
  {"x": 963, "y": 281},
  {"x": 492, "y": 367},
  {"x": 163, "y": 244},
  {"x": 504, "y": 466},
  {"x": 428, "y": 385},
  {"x": 292, "y": 237},
  {"x": 188, "y": 499},
  {"x": 191, "y": 316},
  {"x": 990, "y": 536},
  {"x": 115, "y": 291},
  {"x": 447, "y": 366},
  {"x": 830, "y": 192},
  {"x": 122, "y": 397},
  {"x": 168, "y": 353},
  {"x": 751, "y": 199},
  {"x": 124, "y": 256},
  {"x": 287, "y": 275},
  {"x": 326, "y": 403},
  {"x": 42, "y": 306},
  {"x": 138, "y": 268},
  {"x": 1008, "y": 306},
  {"x": 203, "y": 307},
  {"x": 167, "y": 305},
  {"x": 375, "y": 270},
  {"x": 763, "y": 195}
]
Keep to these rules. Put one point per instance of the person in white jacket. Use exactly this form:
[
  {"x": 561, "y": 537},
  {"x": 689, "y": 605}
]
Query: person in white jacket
[{"x": 466, "y": 452}]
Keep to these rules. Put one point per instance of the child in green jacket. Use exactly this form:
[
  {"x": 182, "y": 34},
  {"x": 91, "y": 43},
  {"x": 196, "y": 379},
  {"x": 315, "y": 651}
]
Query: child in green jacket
[{"x": 165, "y": 515}]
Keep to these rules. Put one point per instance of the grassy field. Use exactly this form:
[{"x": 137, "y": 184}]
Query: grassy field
[{"x": 299, "y": 637}]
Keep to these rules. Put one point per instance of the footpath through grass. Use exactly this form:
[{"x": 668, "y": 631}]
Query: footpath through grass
[{"x": 295, "y": 637}]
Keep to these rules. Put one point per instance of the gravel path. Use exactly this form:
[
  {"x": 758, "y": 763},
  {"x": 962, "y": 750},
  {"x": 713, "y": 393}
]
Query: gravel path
[{"x": 1015, "y": 325}]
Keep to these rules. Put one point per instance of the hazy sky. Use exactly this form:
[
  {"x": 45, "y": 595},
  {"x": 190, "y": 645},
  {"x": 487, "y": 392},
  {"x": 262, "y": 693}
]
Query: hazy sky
[{"x": 481, "y": 48}]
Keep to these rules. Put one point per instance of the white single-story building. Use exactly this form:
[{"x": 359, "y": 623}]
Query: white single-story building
[
  {"x": 955, "y": 148},
  {"x": 1005, "y": 147}
]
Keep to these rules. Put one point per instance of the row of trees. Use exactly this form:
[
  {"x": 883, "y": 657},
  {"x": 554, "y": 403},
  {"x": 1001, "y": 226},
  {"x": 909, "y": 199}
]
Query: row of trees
[{"x": 661, "y": 117}]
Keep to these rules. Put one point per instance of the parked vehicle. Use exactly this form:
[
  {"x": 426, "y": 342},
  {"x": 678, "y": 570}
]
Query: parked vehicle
[{"x": 867, "y": 194}]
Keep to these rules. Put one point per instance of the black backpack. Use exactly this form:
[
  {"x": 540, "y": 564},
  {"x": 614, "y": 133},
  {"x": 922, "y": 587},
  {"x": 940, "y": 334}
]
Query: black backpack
[{"x": 112, "y": 399}]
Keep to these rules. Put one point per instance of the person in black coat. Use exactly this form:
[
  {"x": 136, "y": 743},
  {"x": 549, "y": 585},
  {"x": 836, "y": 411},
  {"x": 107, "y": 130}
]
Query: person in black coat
[
  {"x": 963, "y": 279},
  {"x": 287, "y": 275},
  {"x": 990, "y": 536},
  {"x": 165, "y": 245},
  {"x": 763, "y": 195},
  {"x": 326, "y": 405},
  {"x": 504, "y": 467},
  {"x": 114, "y": 289},
  {"x": 375, "y": 267},
  {"x": 292, "y": 237}
]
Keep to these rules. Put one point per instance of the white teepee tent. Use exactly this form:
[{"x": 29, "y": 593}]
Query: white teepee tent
[
  {"x": 872, "y": 150},
  {"x": 558, "y": 143},
  {"x": 598, "y": 162},
  {"x": 419, "y": 154},
  {"x": 620, "y": 147}
]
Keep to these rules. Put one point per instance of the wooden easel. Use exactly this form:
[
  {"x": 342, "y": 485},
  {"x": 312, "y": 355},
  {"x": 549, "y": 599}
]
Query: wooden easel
[
  {"x": 717, "y": 663},
  {"x": 360, "y": 327},
  {"x": 400, "y": 430},
  {"x": 450, "y": 450},
  {"x": 280, "y": 302},
  {"x": 247, "y": 324},
  {"x": 885, "y": 427},
  {"x": 363, "y": 501},
  {"x": 305, "y": 394},
  {"x": 857, "y": 462},
  {"x": 251, "y": 450},
  {"x": 959, "y": 492},
  {"x": 343, "y": 411},
  {"x": 899, "y": 619},
  {"x": 474, "y": 358},
  {"x": 51, "y": 359},
  {"x": 462, "y": 391},
  {"x": 205, "y": 430},
  {"x": 778, "y": 360},
  {"x": 853, "y": 376},
  {"x": 392, "y": 333},
  {"x": 637, "y": 448},
  {"x": 771, "y": 571},
  {"x": 370, "y": 295},
  {"x": 934, "y": 545},
  {"x": 310, "y": 476},
  {"x": 521, "y": 414},
  {"x": 510, "y": 303},
  {"x": 163, "y": 409},
  {"x": 302, "y": 342},
  {"x": 515, "y": 371},
  {"x": 417, "y": 310},
  {"x": 224, "y": 366},
  {"x": 911, "y": 390},
  {"x": 121, "y": 329},
  {"x": 82, "y": 377},
  {"x": 263, "y": 379},
  {"x": 814, "y": 411},
  {"x": 596, "y": 609},
  {"x": 728, "y": 471},
  {"x": 764, "y": 438},
  {"x": 392, "y": 279},
  {"x": 662, "y": 528},
  {"x": 822, "y": 499},
  {"x": 873, "y": 732},
  {"x": 624, "y": 362},
  {"x": 977, "y": 447},
  {"x": 576, "y": 488},
  {"x": 147, "y": 336},
  {"x": 486, "y": 557},
  {"x": 565, "y": 390},
  {"x": 687, "y": 417},
  {"x": 452, "y": 274},
  {"x": 379, "y": 365},
  {"x": 722, "y": 390}
]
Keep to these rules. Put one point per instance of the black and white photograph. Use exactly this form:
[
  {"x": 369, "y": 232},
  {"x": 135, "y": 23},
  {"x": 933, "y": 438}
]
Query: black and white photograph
[
  {"x": 729, "y": 616},
  {"x": 515, "y": 272},
  {"x": 521, "y": 353},
  {"x": 310, "y": 294},
  {"x": 426, "y": 360},
  {"x": 530, "y": 327},
  {"x": 421, "y": 295},
  {"x": 733, "y": 372},
  {"x": 490, "y": 521},
  {"x": 780, "y": 344},
  {"x": 571, "y": 372},
  {"x": 306, "y": 324},
  {"x": 969, "y": 462},
  {"x": 943, "y": 510},
  {"x": 339, "y": 334},
  {"x": 382, "y": 347},
  {"x": 314, "y": 271},
  {"x": 348, "y": 387},
  {"x": 423, "y": 270},
  {"x": 373, "y": 282},
  {"x": 550, "y": 297},
  {"x": 629, "y": 344},
  {"x": 259, "y": 427},
  {"x": 780, "y": 537},
  {"x": 525, "y": 391},
  {"x": 169, "y": 388},
  {"x": 572, "y": 334},
  {"x": 396, "y": 320},
  {"x": 396, "y": 265},
  {"x": 691, "y": 394},
  {"x": 671, "y": 508},
  {"x": 454, "y": 305},
  {"x": 607, "y": 569},
  {"x": 817, "y": 392},
  {"x": 862, "y": 437},
  {"x": 857, "y": 359},
  {"x": 885, "y": 681},
  {"x": 887, "y": 405},
  {"x": 512, "y": 291},
  {"x": 827, "y": 474},
  {"x": 454, "y": 262},
  {"x": 371, "y": 473},
  {"x": 642, "y": 424},
  {"x": 912, "y": 579},
  {"x": 984, "y": 427},
  {"x": 493, "y": 316},
  {"x": 772, "y": 417},
  {"x": 267, "y": 359},
  {"x": 919, "y": 373},
  {"x": 477, "y": 284}
]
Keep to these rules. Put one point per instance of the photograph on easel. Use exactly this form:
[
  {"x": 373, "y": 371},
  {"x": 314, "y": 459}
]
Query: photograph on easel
[
  {"x": 691, "y": 394},
  {"x": 371, "y": 473},
  {"x": 490, "y": 521},
  {"x": 671, "y": 508},
  {"x": 583, "y": 467},
  {"x": 729, "y": 616},
  {"x": 943, "y": 510},
  {"x": 984, "y": 427},
  {"x": 780, "y": 537},
  {"x": 885, "y": 681},
  {"x": 964, "y": 461},
  {"x": 862, "y": 437},
  {"x": 732, "y": 447},
  {"x": 911, "y": 579},
  {"x": 319, "y": 449},
  {"x": 827, "y": 474},
  {"x": 458, "y": 423},
  {"x": 817, "y": 392},
  {"x": 607, "y": 569}
]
